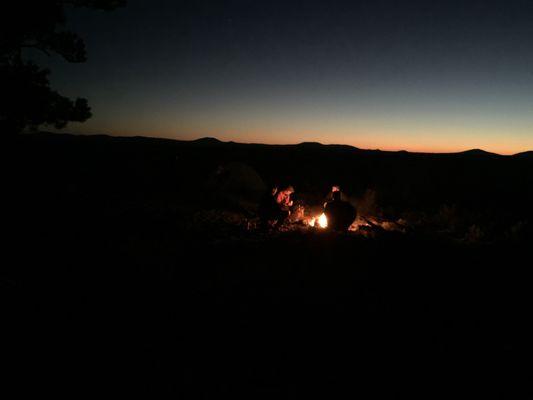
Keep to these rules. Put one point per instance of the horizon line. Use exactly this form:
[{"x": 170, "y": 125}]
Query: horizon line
[{"x": 283, "y": 144}]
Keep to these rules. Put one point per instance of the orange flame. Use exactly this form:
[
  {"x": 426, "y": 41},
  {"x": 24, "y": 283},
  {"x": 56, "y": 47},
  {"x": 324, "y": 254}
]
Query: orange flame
[{"x": 321, "y": 221}]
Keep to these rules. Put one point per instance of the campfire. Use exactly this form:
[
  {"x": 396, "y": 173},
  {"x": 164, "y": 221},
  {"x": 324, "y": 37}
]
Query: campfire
[
  {"x": 343, "y": 218},
  {"x": 360, "y": 224},
  {"x": 320, "y": 221}
]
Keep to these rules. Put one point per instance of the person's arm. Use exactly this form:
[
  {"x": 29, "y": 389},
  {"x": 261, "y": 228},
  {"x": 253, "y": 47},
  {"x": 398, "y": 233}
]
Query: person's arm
[{"x": 289, "y": 201}]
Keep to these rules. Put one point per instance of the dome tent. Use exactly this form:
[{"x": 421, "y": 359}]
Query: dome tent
[{"x": 236, "y": 184}]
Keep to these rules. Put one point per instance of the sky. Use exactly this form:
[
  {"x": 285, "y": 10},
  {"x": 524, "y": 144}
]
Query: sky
[{"x": 439, "y": 76}]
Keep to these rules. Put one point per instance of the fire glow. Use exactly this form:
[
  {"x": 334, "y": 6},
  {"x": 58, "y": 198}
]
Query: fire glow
[{"x": 321, "y": 221}]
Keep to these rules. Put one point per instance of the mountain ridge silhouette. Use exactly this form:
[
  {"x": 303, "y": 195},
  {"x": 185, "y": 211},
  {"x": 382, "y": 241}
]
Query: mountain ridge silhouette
[{"x": 213, "y": 141}]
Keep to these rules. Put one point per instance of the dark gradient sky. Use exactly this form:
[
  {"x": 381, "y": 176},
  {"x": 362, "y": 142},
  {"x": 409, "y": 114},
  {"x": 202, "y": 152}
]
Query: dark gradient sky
[{"x": 415, "y": 75}]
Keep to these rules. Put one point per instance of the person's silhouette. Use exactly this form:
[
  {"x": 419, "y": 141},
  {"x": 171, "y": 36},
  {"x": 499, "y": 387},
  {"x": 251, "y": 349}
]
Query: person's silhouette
[
  {"x": 340, "y": 213},
  {"x": 275, "y": 206}
]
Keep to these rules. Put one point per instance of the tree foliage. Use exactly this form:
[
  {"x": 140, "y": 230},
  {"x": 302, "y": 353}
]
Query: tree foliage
[{"x": 26, "y": 98}]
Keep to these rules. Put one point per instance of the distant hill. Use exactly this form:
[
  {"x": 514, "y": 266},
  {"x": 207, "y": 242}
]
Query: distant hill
[
  {"x": 474, "y": 153},
  {"x": 315, "y": 146},
  {"x": 207, "y": 141},
  {"x": 478, "y": 153},
  {"x": 310, "y": 144},
  {"x": 525, "y": 154},
  {"x": 126, "y": 167}
]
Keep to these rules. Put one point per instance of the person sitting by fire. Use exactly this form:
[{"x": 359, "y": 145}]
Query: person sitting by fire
[
  {"x": 329, "y": 196},
  {"x": 340, "y": 213},
  {"x": 275, "y": 207}
]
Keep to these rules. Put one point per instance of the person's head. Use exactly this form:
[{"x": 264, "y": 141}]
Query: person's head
[
  {"x": 336, "y": 195},
  {"x": 288, "y": 190},
  {"x": 335, "y": 188}
]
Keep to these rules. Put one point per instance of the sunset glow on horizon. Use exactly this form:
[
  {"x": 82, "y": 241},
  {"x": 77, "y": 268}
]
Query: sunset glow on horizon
[{"x": 424, "y": 141}]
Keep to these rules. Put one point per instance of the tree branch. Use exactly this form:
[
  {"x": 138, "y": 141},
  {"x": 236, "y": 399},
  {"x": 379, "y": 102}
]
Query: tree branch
[{"x": 28, "y": 46}]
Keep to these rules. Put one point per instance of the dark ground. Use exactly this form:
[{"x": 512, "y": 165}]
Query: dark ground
[{"x": 128, "y": 279}]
